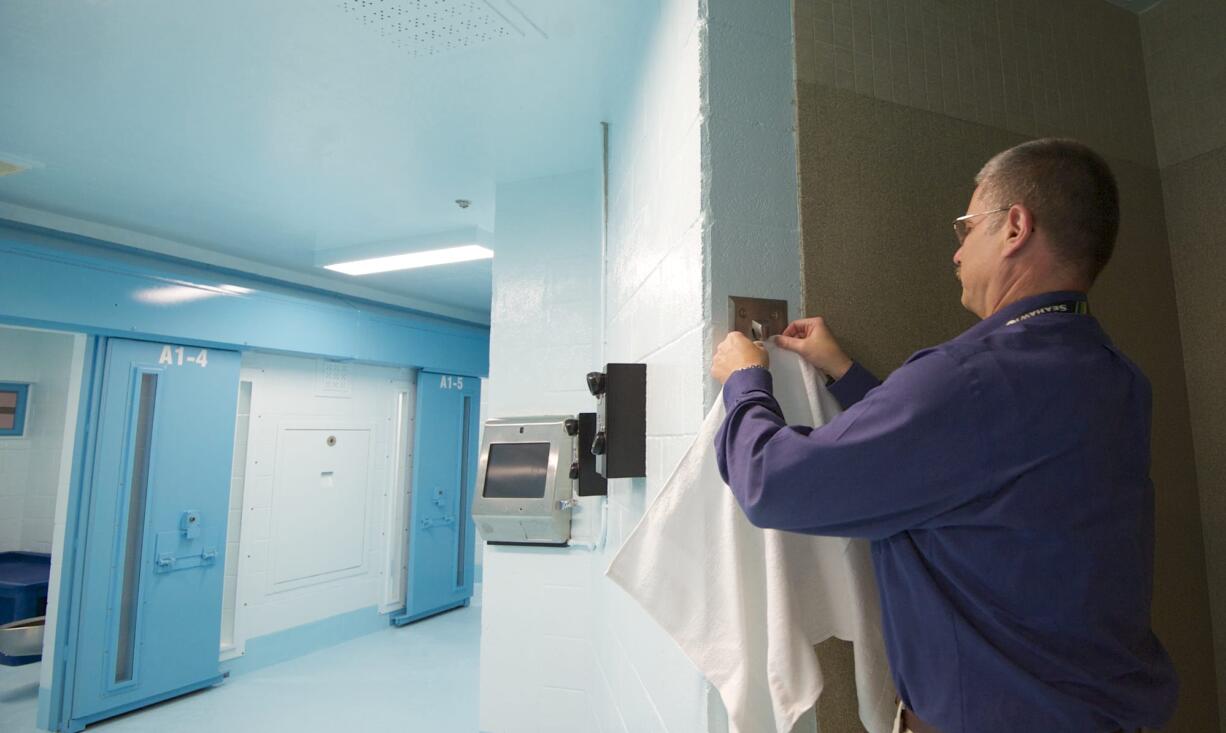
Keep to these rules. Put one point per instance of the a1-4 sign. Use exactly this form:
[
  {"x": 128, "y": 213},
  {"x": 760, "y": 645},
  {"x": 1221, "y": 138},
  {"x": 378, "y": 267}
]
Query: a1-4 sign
[{"x": 175, "y": 356}]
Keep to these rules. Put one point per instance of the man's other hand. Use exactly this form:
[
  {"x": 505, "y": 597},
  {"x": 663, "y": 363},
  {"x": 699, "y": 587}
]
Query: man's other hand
[
  {"x": 810, "y": 338},
  {"x": 736, "y": 351}
]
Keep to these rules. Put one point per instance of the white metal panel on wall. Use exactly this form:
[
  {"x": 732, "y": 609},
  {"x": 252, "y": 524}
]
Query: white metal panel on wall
[
  {"x": 396, "y": 521},
  {"x": 319, "y": 502},
  {"x": 321, "y": 524},
  {"x": 234, "y": 522}
]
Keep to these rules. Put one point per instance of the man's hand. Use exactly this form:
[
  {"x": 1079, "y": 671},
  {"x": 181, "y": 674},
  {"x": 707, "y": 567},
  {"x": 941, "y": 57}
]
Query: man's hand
[
  {"x": 736, "y": 351},
  {"x": 810, "y": 338}
]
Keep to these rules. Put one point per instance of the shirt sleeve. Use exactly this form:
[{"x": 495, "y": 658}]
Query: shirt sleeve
[
  {"x": 852, "y": 386},
  {"x": 908, "y": 452}
]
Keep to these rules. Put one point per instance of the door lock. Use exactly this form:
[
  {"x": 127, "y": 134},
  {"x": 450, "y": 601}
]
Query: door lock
[{"x": 189, "y": 525}]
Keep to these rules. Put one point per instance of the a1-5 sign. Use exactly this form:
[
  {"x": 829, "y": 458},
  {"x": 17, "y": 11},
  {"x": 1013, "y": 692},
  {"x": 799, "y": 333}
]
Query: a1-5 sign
[
  {"x": 448, "y": 382},
  {"x": 175, "y": 357}
]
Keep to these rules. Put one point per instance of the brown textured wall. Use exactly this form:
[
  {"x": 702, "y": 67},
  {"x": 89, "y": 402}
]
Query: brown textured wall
[
  {"x": 880, "y": 184},
  {"x": 1184, "y": 45},
  {"x": 1185, "y": 62},
  {"x": 1032, "y": 67},
  {"x": 1196, "y": 223},
  {"x": 1135, "y": 300}
]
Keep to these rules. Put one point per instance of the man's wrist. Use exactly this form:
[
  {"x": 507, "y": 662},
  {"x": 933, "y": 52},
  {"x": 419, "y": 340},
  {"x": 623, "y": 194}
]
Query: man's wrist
[{"x": 840, "y": 368}]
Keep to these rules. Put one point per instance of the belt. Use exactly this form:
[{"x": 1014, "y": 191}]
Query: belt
[{"x": 911, "y": 722}]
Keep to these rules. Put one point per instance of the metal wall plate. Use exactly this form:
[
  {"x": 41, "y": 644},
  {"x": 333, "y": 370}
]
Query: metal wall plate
[{"x": 742, "y": 312}]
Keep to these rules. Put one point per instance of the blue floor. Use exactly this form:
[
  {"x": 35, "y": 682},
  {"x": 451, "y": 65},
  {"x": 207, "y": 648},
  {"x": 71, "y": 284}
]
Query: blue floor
[
  {"x": 18, "y": 697},
  {"x": 418, "y": 679}
]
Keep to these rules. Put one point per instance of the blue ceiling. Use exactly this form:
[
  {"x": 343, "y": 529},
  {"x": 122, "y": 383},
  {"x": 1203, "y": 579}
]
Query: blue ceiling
[{"x": 271, "y": 130}]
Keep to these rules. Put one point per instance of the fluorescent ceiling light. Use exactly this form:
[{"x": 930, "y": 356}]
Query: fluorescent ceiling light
[
  {"x": 173, "y": 294},
  {"x": 185, "y": 292},
  {"x": 412, "y": 260}
]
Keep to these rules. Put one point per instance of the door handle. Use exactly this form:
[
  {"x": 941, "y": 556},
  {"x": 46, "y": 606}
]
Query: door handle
[{"x": 174, "y": 552}]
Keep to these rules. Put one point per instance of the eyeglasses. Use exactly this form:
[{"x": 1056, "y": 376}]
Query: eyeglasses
[{"x": 960, "y": 227}]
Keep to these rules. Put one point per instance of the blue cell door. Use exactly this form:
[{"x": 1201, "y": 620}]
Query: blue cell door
[
  {"x": 149, "y": 620},
  {"x": 440, "y": 562}
]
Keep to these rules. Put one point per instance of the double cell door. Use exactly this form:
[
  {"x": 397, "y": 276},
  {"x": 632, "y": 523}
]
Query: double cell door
[
  {"x": 158, "y": 475},
  {"x": 441, "y": 532}
]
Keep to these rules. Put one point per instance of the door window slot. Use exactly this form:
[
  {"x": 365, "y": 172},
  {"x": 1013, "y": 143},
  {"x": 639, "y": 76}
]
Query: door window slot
[{"x": 138, "y": 490}]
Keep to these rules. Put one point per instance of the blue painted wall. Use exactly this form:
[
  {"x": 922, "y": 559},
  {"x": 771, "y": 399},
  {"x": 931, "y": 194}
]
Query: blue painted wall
[{"x": 58, "y": 281}]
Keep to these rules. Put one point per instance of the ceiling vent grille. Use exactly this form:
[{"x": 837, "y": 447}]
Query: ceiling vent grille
[{"x": 433, "y": 27}]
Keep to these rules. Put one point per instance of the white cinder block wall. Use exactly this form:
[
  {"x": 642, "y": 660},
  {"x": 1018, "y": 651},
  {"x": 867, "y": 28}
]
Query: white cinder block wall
[
  {"x": 752, "y": 227},
  {"x": 753, "y": 219},
  {"x": 30, "y": 466},
  {"x": 536, "y": 636},
  {"x": 562, "y": 648},
  {"x": 655, "y": 314},
  {"x": 288, "y": 393},
  {"x": 702, "y": 203}
]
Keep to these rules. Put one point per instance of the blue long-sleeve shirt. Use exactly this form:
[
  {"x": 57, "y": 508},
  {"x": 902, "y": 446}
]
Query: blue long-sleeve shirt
[{"x": 1003, "y": 478}]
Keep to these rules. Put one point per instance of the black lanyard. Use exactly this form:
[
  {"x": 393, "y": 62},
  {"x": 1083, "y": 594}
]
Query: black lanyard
[{"x": 1069, "y": 307}]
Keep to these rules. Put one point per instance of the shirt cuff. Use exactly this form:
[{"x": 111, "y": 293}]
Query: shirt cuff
[
  {"x": 852, "y": 386},
  {"x": 746, "y": 380}
]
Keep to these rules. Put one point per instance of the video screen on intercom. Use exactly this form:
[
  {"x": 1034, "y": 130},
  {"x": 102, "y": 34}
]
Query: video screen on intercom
[{"x": 516, "y": 471}]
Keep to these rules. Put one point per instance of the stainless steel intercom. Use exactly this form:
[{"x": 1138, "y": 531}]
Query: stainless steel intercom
[{"x": 528, "y": 476}]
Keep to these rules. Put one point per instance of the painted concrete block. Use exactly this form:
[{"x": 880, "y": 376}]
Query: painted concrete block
[
  {"x": 754, "y": 173},
  {"x": 675, "y": 385},
  {"x": 568, "y": 711},
  {"x": 770, "y": 17},
  {"x": 745, "y": 82},
  {"x": 567, "y": 662}
]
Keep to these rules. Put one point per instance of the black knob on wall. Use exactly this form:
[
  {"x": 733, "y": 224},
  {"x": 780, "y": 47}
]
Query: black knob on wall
[
  {"x": 596, "y": 383},
  {"x": 572, "y": 427}
]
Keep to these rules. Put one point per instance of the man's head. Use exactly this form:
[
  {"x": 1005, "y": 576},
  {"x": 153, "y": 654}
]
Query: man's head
[{"x": 1048, "y": 213}]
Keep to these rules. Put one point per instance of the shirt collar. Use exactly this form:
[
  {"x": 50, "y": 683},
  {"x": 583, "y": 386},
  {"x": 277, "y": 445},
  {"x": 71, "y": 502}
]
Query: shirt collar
[{"x": 1015, "y": 309}]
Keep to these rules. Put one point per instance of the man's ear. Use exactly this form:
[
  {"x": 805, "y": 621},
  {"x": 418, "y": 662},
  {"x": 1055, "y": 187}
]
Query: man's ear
[{"x": 1019, "y": 225}]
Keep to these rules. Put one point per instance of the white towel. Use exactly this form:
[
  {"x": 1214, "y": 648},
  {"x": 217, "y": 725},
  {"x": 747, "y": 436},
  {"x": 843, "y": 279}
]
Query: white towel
[{"x": 748, "y": 605}]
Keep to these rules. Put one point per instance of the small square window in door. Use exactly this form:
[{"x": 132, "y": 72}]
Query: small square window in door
[{"x": 13, "y": 400}]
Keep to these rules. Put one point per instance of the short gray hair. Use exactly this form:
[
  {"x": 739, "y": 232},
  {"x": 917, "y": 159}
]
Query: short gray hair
[{"x": 1068, "y": 188}]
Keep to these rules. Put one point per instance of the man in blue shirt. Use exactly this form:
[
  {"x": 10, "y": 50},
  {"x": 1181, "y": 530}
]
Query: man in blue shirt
[{"x": 1003, "y": 476}]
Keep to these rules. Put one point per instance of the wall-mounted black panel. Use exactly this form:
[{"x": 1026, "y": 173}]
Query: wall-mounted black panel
[
  {"x": 622, "y": 421},
  {"x": 591, "y": 483}
]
